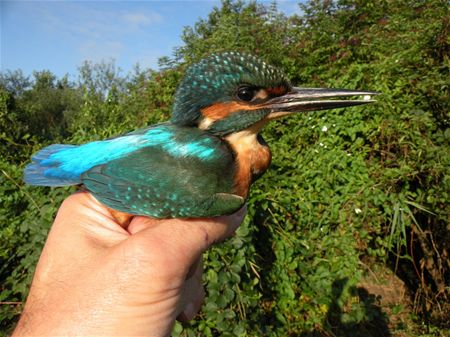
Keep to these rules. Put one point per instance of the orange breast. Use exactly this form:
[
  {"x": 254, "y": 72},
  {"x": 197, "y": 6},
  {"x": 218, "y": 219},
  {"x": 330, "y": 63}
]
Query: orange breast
[{"x": 253, "y": 159}]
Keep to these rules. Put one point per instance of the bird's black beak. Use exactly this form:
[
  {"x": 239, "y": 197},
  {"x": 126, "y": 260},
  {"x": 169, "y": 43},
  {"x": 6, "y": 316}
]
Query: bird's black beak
[{"x": 310, "y": 99}]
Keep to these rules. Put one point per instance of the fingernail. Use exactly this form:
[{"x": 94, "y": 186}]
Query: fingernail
[
  {"x": 190, "y": 311},
  {"x": 242, "y": 212}
]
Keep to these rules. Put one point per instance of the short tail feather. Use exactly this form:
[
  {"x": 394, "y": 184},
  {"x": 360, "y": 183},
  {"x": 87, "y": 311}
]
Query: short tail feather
[
  {"x": 46, "y": 152},
  {"x": 36, "y": 173}
]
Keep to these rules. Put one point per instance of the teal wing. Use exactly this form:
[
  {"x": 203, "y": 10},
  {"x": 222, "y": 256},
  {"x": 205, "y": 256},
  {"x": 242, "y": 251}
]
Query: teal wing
[{"x": 190, "y": 176}]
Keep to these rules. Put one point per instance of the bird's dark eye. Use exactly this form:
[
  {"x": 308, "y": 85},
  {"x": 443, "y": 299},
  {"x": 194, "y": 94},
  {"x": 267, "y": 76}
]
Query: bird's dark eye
[{"x": 246, "y": 93}]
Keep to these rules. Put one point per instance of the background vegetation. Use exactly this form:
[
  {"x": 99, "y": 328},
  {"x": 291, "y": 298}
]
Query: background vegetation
[{"x": 347, "y": 234}]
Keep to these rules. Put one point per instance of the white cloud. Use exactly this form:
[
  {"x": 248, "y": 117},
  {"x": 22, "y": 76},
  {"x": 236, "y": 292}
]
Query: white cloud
[
  {"x": 98, "y": 31},
  {"x": 96, "y": 51},
  {"x": 137, "y": 20}
]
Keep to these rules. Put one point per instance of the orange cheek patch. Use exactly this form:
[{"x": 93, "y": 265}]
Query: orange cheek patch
[{"x": 221, "y": 110}]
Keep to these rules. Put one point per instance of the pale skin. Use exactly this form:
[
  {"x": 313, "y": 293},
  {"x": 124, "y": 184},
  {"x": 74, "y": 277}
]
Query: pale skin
[{"x": 98, "y": 278}]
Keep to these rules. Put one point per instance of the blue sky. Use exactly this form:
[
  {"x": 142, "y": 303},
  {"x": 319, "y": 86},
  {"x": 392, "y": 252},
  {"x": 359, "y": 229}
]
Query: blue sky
[{"x": 59, "y": 35}]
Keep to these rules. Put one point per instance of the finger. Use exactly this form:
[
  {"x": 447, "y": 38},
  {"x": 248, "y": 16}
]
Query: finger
[
  {"x": 196, "y": 267},
  {"x": 186, "y": 239},
  {"x": 140, "y": 223},
  {"x": 82, "y": 205},
  {"x": 82, "y": 216},
  {"x": 173, "y": 245},
  {"x": 231, "y": 222},
  {"x": 193, "y": 295},
  {"x": 219, "y": 229}
]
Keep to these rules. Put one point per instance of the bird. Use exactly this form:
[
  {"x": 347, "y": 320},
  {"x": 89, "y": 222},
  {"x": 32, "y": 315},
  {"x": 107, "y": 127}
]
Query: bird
[{"x": 200, "y": 163}]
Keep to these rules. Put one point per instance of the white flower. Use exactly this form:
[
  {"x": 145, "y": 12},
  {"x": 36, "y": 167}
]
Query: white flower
[
  {"x": 357, "y": 210},
  {"x": 321, "y": 144},
  {"x": 324, "y": 128}
]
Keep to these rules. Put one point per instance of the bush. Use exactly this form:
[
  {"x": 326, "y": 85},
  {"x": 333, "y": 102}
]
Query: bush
[{"x": 348, "y": 190}]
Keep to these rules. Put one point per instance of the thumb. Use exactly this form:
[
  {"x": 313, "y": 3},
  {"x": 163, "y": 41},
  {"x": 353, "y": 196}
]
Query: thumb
[{"x": 186, "y": 239}]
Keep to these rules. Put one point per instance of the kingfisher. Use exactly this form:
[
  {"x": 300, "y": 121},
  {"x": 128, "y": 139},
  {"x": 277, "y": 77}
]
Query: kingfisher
[{"x": 203, "y": 161}]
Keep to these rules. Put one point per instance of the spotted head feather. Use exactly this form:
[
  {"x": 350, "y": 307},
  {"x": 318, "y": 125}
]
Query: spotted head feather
[{"x": 216, "y": 78}]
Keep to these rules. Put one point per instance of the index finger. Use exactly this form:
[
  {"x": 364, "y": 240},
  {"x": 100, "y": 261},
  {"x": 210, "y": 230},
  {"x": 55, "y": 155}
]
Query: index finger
[{"x": 190, "y": 236}]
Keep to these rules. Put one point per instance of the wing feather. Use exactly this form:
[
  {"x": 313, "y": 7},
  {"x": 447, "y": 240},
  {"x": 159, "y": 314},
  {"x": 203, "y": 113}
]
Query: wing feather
[{"x": 188, "y": 181}]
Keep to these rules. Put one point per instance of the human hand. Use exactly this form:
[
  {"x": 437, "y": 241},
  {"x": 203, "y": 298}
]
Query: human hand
[{"x": 95, "y": 277}]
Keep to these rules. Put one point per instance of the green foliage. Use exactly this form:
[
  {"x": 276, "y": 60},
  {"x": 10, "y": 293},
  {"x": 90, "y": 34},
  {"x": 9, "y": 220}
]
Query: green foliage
[
  {"x": 346, "y": 188},
  {"x": 25, "y": 215}
]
